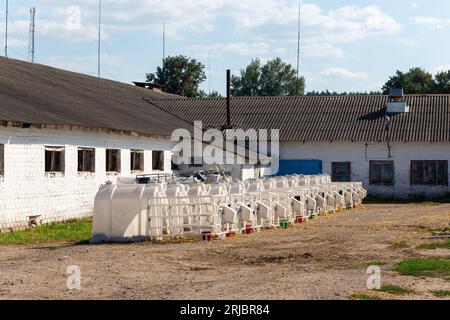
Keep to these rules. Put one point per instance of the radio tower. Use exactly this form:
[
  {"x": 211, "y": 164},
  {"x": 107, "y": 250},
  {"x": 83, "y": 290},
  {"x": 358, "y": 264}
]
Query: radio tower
[
  {"x": 298, "y": 42},
  {"x": 6, "y": 29},
  {"x": 31, "y": 36},
  {"x": 99, "y": 37}
]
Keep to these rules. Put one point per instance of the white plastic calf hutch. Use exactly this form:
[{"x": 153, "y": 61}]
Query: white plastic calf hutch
[{"x": 129, "y": 211}]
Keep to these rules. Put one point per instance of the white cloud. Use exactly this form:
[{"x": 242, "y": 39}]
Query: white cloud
[
  {"x": 315, "y": 50},
  {"x": 267, "y": 21},
  {"x": 339, "y": 72},
  {"x": 240, "y": 48},
  {"x": 349, "y": 23},
  {"x": 54, "y": 28},
  {"x": 432, "y": 22}
]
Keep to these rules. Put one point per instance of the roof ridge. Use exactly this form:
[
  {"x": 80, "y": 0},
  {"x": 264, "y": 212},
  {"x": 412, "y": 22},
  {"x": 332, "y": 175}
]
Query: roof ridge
[{"x": 302, "y": 97}]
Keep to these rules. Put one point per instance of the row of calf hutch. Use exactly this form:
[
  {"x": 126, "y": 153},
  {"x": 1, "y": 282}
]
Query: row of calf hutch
[{"x": 129, "y": 211}]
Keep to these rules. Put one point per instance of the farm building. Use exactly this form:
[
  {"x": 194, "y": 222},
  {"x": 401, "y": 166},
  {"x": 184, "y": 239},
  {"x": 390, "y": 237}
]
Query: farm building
[
  {"x": 400, "y": 153},
  {"x": 63, "y": 134}
]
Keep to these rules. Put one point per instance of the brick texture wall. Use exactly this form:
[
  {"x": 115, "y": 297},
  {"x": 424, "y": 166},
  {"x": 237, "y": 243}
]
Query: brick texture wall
[{"x": 26, "y": 190}]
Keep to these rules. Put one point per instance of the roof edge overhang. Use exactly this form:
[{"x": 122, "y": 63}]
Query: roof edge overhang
[{"x": 55, "y": 126}]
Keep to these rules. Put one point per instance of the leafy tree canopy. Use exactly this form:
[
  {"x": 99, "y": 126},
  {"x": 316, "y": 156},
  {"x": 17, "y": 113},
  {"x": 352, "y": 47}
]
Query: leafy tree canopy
[
  {"x": 180, "y": 75},
  {"x": 419, "y": 81},
  {"x": 275, "y": 78}
]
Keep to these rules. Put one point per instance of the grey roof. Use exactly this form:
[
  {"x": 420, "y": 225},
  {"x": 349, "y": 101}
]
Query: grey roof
[
  {"x": 38, "y": 94},
  {"x": 325, "y": 118}
]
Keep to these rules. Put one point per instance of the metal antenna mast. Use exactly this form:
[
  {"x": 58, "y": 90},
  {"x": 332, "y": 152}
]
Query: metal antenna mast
[
  {"x": 99, "y": 36},
  {"x": 209, "y": 71},
  {"x": 163, "y": 52},
  {"x": 32, "y": 32},
  {"x": 298, "y": 41},
  {"x": 164, "y": 41},
  {"x": 6, "y": 31}
]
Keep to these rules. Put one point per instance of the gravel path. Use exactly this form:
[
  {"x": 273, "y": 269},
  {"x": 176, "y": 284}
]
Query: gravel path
[{"x": 323, "y": 259}]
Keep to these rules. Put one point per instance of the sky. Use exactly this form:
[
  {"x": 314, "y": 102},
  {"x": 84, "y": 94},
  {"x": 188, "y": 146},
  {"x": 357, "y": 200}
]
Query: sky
[{"x": 346, "y": 45}]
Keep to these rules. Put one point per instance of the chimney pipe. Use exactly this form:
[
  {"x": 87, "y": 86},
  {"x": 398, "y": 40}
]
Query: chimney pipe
[{"x": 228, "y": 98}]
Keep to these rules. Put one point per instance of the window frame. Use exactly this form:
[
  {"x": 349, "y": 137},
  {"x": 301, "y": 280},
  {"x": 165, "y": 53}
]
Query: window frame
[
  {"x": 51, "y": 168},
  {"x": 92, "y": 160},
  {"x": 118, "y": 161},
  {"x": 382, "y": 163},
  {"x": 348, "y": 174},
  {"x": 161, "y": 160},
  {"x": 133, "y": 152},
  {"x": 437, "y": 165}
]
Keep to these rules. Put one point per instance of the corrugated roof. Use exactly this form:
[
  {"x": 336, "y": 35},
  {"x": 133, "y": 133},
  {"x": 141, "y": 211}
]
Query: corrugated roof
[
  {"x": 326, "y": 118},
  {"x": 38, "y": 94}
]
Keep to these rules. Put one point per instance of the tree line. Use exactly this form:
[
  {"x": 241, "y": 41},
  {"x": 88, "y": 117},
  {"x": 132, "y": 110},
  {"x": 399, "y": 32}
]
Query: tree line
[{"x": 183, "y": 76}]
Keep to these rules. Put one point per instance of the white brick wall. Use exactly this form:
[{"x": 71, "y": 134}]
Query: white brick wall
[
  {"x": 356, "y": 153},
  {"x": 25, "y": 190}
]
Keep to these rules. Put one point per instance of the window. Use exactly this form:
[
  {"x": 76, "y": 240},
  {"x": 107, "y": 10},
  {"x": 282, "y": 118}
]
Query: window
[
  {"x": 112, "y": 161},
  {"x": 382, "y": 172},
  {"x": 158, "y": 160},
  {"x": 430, "y": 173},
  {"x": 86, "y": 160},
  {"x": 137, "y": 160},
  {"x": 341, "y": 171},
  {"x": 54, "y": 159},
  {"x": 2, "y": 160}
]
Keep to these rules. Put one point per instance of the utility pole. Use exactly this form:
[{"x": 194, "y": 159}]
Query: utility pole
[
  {"x": 209, "y": 72},
  {"x": 163, "y": 53},
  {"x": 6, "y": 31},
  {"x": 164, "y": 41},
  {"x": 298, "y": 43},
  {"x": 32, "y": 33},
  {"x": 99, "y": 36}
]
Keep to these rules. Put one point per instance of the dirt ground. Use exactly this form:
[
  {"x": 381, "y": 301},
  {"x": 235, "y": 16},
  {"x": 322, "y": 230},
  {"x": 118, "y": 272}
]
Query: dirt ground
[{"x": 323, "y": 259}]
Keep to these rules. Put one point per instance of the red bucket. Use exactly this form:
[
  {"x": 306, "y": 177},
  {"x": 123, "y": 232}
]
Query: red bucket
[
  {"x": 249, "y": 230},
  {"x": 229, "y": 235}
]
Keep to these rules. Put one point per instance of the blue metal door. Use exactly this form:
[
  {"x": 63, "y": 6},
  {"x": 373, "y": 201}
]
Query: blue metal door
[{"x": 306, "y": 167}]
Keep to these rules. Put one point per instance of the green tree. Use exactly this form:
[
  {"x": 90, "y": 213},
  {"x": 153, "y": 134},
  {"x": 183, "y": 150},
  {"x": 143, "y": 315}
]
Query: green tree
[
  {"x": 334, "y": 93},
  {"x": 179, "y": 75},
  {"x": 442, "y": 82},
  {"x": 415, "y": 81},
  {"x": 275, "y": 78},
  {"x": 214, "y": 94}
]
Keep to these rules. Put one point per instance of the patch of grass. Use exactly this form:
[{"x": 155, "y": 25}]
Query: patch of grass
[
  {"x": 436, "y": 268},
  {"x": 364, "y": 297},
  {"x": 441, "y": 293},
  {"x": 400, "y": 245},
  {"x": 78, "y": 231},
  {"x": 435, "y": 245},
  {"x": 393, "y": 289}
]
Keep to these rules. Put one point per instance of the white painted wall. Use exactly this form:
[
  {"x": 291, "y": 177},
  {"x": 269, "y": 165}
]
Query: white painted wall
[
  {"x": 401, "y": 153},
  {"x": 25, "y": 190}
]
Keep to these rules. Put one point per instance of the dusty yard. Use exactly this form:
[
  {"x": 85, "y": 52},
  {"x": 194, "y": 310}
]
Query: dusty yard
[{"x": 324, "y": 259}]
